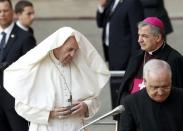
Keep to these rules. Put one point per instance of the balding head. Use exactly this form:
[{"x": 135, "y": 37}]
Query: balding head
[{"x": 156, "y": 66}]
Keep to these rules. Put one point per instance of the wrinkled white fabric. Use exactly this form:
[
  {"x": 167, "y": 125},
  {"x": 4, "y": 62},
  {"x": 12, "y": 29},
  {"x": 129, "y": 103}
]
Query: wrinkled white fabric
[{"x": 33, "y": 81}]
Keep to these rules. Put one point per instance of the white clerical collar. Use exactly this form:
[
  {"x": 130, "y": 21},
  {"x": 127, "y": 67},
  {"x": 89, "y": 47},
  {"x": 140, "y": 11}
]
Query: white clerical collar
[{"x": 151, "y": 52}]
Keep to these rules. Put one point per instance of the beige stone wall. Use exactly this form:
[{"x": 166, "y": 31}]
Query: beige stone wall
[
  {"x": 64, "y": 8},
  {"x": 174, "y": 7},
  {"x": 86, "y": 8}
]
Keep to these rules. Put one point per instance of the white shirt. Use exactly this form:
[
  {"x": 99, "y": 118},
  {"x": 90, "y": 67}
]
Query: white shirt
[
  {"x": 8, "y": 31},
  {"x": 22, "y": 26},
  {"x": 108, "y": 23}
]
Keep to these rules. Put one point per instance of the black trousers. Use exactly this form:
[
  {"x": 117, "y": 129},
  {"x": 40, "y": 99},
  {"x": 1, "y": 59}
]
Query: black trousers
[
  {"x": 9, "y": 119},
  {"x": 115, "y": 83}
]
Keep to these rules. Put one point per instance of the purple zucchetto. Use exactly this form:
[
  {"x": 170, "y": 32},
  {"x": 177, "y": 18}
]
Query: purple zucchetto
[{"x": 154, "y": 21}]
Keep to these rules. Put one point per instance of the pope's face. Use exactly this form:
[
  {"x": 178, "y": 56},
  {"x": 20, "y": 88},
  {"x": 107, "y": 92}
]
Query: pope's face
[
  {"x": 158, "y": 86},
  {"x": 67, "y": 51}
]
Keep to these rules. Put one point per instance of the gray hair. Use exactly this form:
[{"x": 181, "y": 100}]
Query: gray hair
[
  {"x": 154, "y": 29},
  {"x": 156, "y": 66}
]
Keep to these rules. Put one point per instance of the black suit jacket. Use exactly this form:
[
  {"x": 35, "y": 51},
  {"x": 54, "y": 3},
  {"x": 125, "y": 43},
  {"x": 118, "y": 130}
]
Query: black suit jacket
[
  {"x": 18, "y": 44},
  {"x": 165, "y": 53},
  {"x": 123, "y": 31},
  {"x": 102, "y": 19},
  {"x": 144, "y": 114}
]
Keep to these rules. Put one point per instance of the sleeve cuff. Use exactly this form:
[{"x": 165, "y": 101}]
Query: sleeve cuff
[
  {"x": 100, "y": 9},
  {"x": 93, "y": 107}
]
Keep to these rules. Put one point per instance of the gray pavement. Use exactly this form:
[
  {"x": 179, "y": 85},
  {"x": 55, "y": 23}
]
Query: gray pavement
[{"x": 80, "y": 14}]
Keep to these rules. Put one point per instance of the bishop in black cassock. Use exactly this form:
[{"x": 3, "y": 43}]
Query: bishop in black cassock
[
  {"x": 157, "y": 107},
  {"x": 143, "y": 114}
]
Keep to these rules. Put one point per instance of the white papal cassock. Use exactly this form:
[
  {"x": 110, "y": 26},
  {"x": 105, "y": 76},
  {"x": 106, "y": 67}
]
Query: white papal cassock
[{"x": 38, "y": 87}]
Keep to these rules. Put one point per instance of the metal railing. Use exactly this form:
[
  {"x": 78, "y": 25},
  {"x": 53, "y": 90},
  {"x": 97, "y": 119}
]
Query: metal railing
[{"x": 117, "y": 73}]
